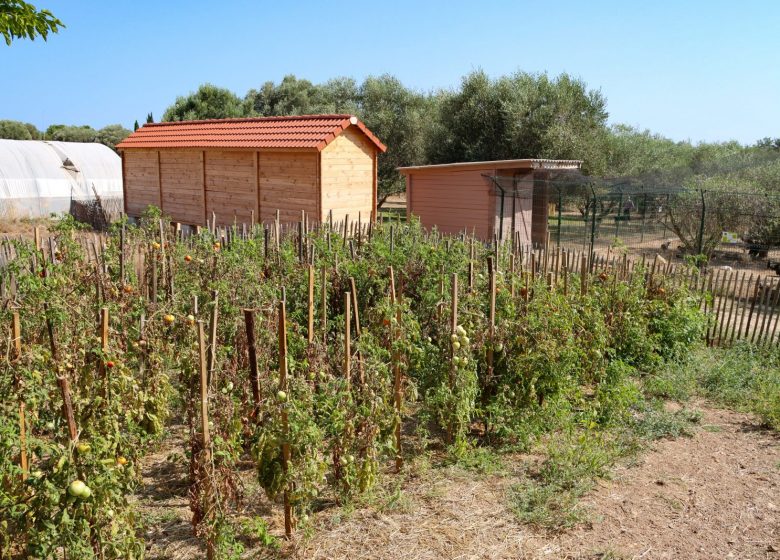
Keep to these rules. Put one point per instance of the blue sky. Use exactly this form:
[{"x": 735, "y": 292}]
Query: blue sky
[{"x": 698, "y": 70}]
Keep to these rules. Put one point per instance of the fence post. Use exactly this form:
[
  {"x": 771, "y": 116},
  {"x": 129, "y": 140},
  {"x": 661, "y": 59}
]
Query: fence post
[{"x": 701, "y": 224}]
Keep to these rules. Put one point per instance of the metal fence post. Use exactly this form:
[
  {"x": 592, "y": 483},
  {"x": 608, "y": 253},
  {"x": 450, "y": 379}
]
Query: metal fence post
[
  {"x": 701, "y": 224},
  {"x": 560, "y": 212}
]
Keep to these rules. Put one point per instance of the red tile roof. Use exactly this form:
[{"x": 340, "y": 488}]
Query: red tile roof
[{"x": 306, "y": 131}]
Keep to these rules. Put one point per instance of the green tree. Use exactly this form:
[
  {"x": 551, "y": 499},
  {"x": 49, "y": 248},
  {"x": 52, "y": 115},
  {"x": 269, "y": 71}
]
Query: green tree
[
  {"x": 14, "y": 130},
  {"x": 22, "y": 20},
  {"x": 135, "y": 125},
  {"x": 112, "y": 135},
  {"x": 34, "y": 132},
  {"x": 149, "y": 118},
  {"x": 209, "y": 102},
  {"x": 521, "y": 116},
  {"x": 292, "y": 96},
  {"x": 399, "y": 117},
  {"x": 63, "y": 133}
]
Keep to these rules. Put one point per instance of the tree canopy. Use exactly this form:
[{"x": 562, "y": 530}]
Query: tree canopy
[
  {"x": 208, "y": 102},
  {"x": 521, "y": 115},
  {"x": 22, "y": 20},
  {"x": 15, "y": 130}
]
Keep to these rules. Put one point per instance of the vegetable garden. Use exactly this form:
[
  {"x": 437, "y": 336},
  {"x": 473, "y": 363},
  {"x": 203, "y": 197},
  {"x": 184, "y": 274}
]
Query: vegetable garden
[{"x": 326, "y": 356}]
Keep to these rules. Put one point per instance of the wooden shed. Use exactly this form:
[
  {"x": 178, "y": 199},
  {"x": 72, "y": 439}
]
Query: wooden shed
[
  {"x": 489, "y": 198},
  {"x": 240, "y": 169}
]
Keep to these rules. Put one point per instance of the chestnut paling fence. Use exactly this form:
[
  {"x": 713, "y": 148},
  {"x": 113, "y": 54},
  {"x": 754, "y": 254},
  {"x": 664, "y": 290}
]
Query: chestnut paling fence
[{"x": 741, "y": 304}]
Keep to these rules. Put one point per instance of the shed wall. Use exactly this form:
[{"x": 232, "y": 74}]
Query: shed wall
[
  {"x": 181, "y": 176},
  {"x": 142, "y": 181},
  {"x": 231, "y": 186},
  {"x": 289, "y": 183},
  {"x": 453, "y": 201},
  {"x": 348, "y": 173}
]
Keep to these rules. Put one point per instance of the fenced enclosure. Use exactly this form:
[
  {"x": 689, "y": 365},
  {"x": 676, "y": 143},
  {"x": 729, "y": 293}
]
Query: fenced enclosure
[{"x": 709, "y": 227}]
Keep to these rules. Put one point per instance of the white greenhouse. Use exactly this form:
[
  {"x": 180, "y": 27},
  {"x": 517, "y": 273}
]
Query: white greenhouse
[{"x": 38, "y": 178}]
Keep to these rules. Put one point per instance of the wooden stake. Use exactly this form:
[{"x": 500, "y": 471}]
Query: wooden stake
[
  {"x": 254, "y": 382},
  {"x": 310, "y": 333},
  {"x": 288, "y": 521},
  {"x": 397, "y": 393},
  {"x": 212, "y": 355},
  {"x": 347, "y": 339},
  {"x": 583, "y": 275},
  {"x": 324, "y": 305}
]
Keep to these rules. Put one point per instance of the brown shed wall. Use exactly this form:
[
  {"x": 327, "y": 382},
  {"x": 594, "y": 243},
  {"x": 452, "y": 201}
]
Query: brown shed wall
[
  {"x": 142, "y": 180},
  {"x": 231, "y": 186},
  {"x": 181, "y": 177},
  {"x": 289, "y": 183},
  {"x": 453, "y": 201}
]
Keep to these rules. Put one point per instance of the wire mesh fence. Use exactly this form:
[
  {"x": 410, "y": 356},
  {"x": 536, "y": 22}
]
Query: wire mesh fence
[{"x": 710, "y": 228}]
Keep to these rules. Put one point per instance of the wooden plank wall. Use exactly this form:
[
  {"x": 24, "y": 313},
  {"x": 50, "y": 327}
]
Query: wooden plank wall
[
  {"x": 541, "y": 211},
  {"x": 231, "y": 187},
  {"x": 347, "y": 170},
  {"x": 453, "y": 201},
  {"x": 142, "y": 183},
  {"x": 288, "y": 183},
  {"x": 181, "y": 175}
]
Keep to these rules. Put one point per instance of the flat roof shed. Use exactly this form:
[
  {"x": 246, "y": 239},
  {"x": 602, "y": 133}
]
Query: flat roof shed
[
  {"x": 240, "y": 169},
  {"x": 502, "y": 198}
]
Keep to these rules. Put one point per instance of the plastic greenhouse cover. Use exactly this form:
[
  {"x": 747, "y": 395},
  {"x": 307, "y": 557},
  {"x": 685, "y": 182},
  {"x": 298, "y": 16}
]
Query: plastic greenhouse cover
[{"x": 37, "y": 178}]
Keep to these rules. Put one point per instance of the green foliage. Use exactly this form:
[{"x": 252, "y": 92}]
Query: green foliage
[
  {"x": 16, "y": 130},
  {"x": 22, "y": 20},
  {"x": 522, "y": 115},
  {"x": 557, "y": 367},
  {"x": 208, "y": 102}
]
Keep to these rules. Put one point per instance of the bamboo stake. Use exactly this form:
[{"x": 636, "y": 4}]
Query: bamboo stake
[{"x": 583, "y": 275}]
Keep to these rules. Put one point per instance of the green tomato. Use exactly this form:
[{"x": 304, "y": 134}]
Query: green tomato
[
  {"x": 86, "y": 492},
  {"x": 456, "y": 345},
  {"x": 76, "y": 488},
  {"x": 465, "y": 340},
  {"x": 454, "y": 337},
  {"x": 84, "y": 447},
  {"x": 499, "y": 347},
  {"x": 281, "y": 396}
]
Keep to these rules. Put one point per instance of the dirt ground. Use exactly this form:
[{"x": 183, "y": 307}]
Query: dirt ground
[{"x": 714, "y": 495}]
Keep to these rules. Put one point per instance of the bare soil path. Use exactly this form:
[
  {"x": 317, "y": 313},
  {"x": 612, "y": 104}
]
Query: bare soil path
[{"x": 713, "y": 495}]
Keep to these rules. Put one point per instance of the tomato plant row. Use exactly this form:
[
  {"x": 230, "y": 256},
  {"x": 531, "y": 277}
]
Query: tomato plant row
[{"x": 304, "y": 351}]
